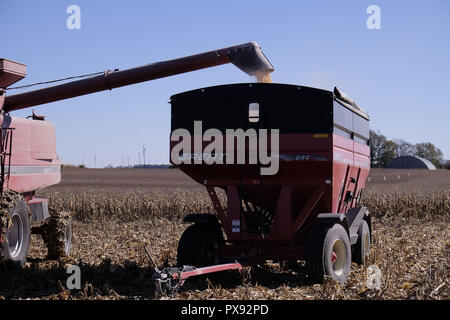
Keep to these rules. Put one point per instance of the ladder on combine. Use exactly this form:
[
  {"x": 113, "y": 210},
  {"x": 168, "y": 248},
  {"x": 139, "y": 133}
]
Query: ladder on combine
[{"x": 6, "y": 136}]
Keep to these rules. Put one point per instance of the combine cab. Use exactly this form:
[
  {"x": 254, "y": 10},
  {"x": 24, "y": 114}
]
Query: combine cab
[{"x": 307, "y": 209}]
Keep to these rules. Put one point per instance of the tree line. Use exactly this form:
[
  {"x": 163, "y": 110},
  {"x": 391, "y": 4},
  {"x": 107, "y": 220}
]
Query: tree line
[{"x": 383, "y": 150}]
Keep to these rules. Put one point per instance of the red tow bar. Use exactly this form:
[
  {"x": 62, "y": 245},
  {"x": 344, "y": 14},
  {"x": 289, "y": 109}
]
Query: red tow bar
[{"x": 167, "y": 281}]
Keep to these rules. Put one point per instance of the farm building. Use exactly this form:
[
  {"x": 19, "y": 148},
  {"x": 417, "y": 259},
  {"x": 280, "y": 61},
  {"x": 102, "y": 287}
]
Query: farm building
[{"x": 410, "y": 162}]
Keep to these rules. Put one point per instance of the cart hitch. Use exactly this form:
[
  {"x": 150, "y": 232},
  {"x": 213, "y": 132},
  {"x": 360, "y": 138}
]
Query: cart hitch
[{"x": 169, "y": 280}]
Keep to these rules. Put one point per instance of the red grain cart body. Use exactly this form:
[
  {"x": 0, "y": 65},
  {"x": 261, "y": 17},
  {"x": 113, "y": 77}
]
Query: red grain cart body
[{"x": 323, "y": 165}]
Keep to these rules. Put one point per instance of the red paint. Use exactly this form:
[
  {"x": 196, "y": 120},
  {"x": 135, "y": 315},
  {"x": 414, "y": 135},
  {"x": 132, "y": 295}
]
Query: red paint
[
  {"x": 205, "y": 270},
  {"x": 295, "y": 195},
  {"x": 33, "y": 149},
  {"x": 333, "y": 257}
]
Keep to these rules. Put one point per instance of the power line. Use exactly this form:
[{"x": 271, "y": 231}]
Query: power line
[{"x": 58, "y": 80}]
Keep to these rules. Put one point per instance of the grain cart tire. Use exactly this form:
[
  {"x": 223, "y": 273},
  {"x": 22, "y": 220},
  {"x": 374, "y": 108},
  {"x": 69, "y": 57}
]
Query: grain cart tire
[
  {"x": 362, "y": 245},
  {"x": 328, "y": 253},
  {"x": 16, "y": 234},
  {"x": 197, "y": 244},
  {"x": 57, "y": 234}
]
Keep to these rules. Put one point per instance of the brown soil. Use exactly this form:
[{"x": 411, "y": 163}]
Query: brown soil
[{"x": 127, "y": 209}]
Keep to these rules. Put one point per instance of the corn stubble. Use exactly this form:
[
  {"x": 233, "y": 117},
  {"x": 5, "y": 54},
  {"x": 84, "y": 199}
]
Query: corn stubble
[{"x": 411, "y": 247}]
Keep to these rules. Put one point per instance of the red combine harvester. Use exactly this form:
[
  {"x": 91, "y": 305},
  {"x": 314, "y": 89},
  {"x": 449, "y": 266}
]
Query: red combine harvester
[
  {"x": 309, "y": 209},
  {"x": 28, "y": 156}
]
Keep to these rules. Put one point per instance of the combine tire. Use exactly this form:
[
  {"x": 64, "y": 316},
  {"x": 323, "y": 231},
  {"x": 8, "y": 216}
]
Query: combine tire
[
  {"x": 16, "y": 234},
  {"x": 197, "y": 245},
  {"x": 57, "y": 235},
  {"x": 362, "y": 245},
  {"x": 328, "y": 253}
]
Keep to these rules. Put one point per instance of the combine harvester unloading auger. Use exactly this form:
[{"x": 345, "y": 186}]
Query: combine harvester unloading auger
[{"x": 28, "y": 157}]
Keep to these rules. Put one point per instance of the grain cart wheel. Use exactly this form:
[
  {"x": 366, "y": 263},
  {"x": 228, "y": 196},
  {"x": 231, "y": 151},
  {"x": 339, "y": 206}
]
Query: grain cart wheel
[
  {"x": 362, "y": 245},
  {"x": 57, "y": 234},
  {"x": 197, "y": 245},
  {"x": 328, "y": 253},
  {"x": 16, "y": 234}
]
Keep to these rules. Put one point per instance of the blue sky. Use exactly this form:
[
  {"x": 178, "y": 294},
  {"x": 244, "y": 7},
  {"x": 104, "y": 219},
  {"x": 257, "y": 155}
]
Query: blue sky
[{"x": 399, "y": 73}]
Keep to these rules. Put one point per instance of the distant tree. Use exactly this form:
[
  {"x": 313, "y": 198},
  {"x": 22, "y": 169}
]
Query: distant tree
[
  {"x": 388, "y": 153},
  {"x": 404, "y": 148},
  {"x": 447, "y": 164},
  {"x": 376, "y": 140},
  {"x": 382, "y": 150},
  {"x": 429, "y": 151}
]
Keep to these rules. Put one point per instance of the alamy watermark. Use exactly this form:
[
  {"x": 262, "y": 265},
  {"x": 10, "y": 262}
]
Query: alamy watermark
[
  {"x": 236, "y": 141},
  {"x": 74, "y": 280},
  {"x": 374, "y": 277},
  {"x": 374, "y": 20},
  {"x": 74, "y": 20}
]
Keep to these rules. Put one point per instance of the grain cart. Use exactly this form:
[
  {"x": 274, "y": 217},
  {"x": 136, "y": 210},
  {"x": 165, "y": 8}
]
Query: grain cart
[
  {"x": 28, "y": 156},
  {"x": 308, "y": 209}
]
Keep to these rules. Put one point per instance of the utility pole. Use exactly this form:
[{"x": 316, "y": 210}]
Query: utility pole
[
  {"x": 139, "y": 159},
  {"x": 95, "y": 160},
  {"x": 143, "y": 153},
  {"x": 128, "y": 161}
]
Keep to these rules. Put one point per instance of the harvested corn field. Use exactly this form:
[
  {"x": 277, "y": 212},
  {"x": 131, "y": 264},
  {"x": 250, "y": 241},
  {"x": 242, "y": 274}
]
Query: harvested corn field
[{"x": 118, "y": 212}]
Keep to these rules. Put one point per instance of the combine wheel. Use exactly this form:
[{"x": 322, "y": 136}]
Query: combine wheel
[
  {"x": 57, "y": 234},
  {"x": 362, "y": 245},
  {"x": 15, "y": 233},
  {"x": 328, "y": 253},
  {"x": 197, "y": 245}
]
